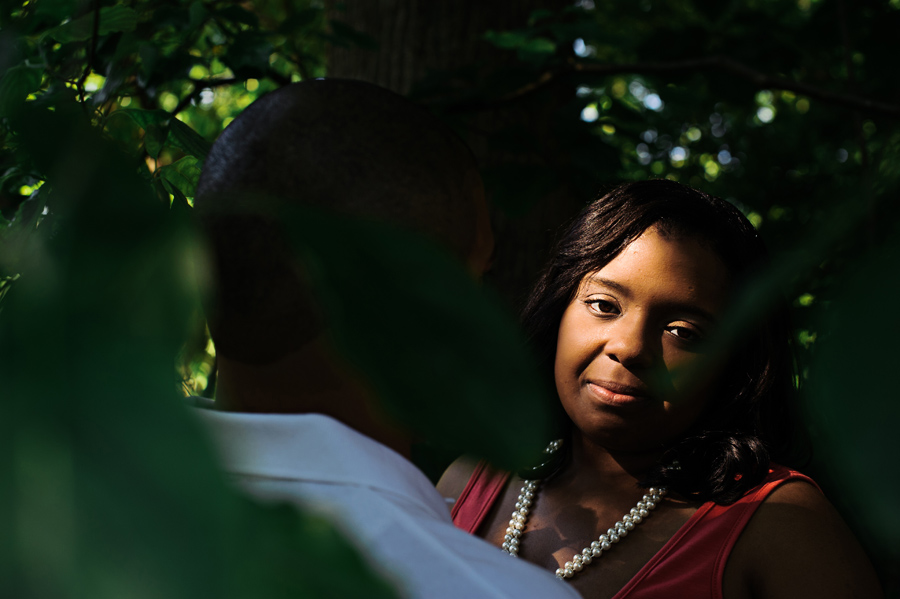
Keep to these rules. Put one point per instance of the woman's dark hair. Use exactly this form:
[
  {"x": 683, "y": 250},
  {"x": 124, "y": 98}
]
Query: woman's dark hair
[{"x": 752, "y": 419}]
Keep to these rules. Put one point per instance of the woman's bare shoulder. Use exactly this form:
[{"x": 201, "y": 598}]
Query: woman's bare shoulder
[
  {"x": 456, "y": 476},
  {"x": 797, "y": 545}
]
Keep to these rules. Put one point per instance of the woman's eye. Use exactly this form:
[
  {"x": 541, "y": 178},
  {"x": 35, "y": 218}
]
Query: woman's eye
[
  {"x": 684, "y": 333},
  {"x": 601, "y": 306}
]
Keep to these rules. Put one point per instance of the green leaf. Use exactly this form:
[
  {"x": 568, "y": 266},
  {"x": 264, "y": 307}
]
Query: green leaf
[
  {"x": 538, "y": 15},
  {"x": 442, "y": 355},
  {"x": 15, "y": 86},
  {"x": 508, "y": 40},
  {"x": 146, "y": 118},
  {"x": 538, "y": 45},
  {"x": 198, "y": 14},
  {"x": 238, "y": 14},
  {"x": 188, "y": 140},
  {"x": 112, "y": 19},
  {"x": 56, "y": 10},
  {"x": 248, "y": 55},
  {"x": 91, "y": 474},
  {"x": 155, "y": 139},
  {"x": 301, "y": 20},
  {"x": 183, "y": 175}
]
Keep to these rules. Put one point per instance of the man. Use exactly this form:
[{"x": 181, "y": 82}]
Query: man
[{"x": 293, "y": 420}]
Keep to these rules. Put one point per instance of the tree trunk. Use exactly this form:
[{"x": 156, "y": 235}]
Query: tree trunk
[{"x": 425, "y": 40}]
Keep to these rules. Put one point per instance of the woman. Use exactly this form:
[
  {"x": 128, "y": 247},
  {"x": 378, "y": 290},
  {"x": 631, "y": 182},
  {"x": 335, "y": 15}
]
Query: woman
[{"x": 673, "y": 412}]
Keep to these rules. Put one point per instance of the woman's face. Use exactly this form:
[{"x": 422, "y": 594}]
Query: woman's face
[{"x": 631, "y": 370}]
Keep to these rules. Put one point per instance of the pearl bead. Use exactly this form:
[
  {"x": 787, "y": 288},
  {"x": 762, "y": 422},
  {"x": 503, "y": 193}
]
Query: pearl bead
[{"x": 619, "y": 530}]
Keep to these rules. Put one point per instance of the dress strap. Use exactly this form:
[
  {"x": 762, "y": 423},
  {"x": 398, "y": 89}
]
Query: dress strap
[{"x": 478, "y": 497}]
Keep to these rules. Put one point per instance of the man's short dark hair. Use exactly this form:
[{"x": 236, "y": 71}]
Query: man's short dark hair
[{"x": 345, "y": 146}]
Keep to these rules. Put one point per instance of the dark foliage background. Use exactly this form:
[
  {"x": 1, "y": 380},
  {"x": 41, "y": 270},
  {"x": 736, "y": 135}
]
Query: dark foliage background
[{"x": 788, "y": 108}]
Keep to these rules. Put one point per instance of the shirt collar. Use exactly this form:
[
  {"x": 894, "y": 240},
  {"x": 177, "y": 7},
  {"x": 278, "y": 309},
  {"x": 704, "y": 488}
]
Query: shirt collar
[{"x": 315, "y": 448}]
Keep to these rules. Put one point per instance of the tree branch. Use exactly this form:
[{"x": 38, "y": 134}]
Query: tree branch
[
  {"x": 92, "y": 49},
  {"x": 712, "y": 63}
]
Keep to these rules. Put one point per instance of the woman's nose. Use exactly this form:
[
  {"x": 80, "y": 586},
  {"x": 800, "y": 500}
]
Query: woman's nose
[{"x": 629, "y": 342}]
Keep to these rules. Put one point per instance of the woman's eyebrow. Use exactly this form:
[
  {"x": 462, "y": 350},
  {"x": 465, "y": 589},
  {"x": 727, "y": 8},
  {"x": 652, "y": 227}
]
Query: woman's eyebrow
[{"x": 598, "y": 280}]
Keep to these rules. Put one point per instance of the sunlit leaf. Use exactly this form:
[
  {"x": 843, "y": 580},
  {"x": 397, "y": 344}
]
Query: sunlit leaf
[{"x": 183, "y": 174}]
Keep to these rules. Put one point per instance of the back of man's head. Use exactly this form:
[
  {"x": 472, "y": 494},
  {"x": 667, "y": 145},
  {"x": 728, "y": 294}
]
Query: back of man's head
[{"x": 345, "y": 146}]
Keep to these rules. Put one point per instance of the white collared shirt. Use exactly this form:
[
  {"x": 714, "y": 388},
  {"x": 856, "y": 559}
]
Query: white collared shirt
[{"x": 384, "y": 504}]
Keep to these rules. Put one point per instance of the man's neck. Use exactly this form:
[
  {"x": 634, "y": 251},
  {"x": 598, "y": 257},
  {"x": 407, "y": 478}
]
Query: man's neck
[{"x": 311, "y": 380}]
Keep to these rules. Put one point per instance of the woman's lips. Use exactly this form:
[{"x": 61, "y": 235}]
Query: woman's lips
[{"x": 617, "y": 393}]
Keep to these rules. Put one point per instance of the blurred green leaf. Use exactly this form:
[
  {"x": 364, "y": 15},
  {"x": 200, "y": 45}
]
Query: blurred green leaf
[
  {"x": 855, "y": 411},
  {"x": 198, "y": 14},
  {"x": 112, "y": 19},
  {"x": 15, "y": 86},
  {"x": 509, "y": 40},
  {"x": 56, "y": 9},
  {"x": 111, "y": 486},
  {"x": 248, "y": 55},
  {"x": 417, "y": 294},
  {"x": 239, "y": 14}
]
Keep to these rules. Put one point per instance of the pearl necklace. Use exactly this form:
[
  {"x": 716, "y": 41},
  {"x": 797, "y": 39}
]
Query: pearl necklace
[{"x": 617, "y": 532}]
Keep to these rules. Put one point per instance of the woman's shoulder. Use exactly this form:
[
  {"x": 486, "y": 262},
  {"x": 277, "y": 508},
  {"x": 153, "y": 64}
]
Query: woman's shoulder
[{"x": 796, "y": 544}]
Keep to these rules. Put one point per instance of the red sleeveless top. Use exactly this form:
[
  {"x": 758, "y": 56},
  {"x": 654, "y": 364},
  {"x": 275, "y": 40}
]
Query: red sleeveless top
[{"x": 690, "y": 565}]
